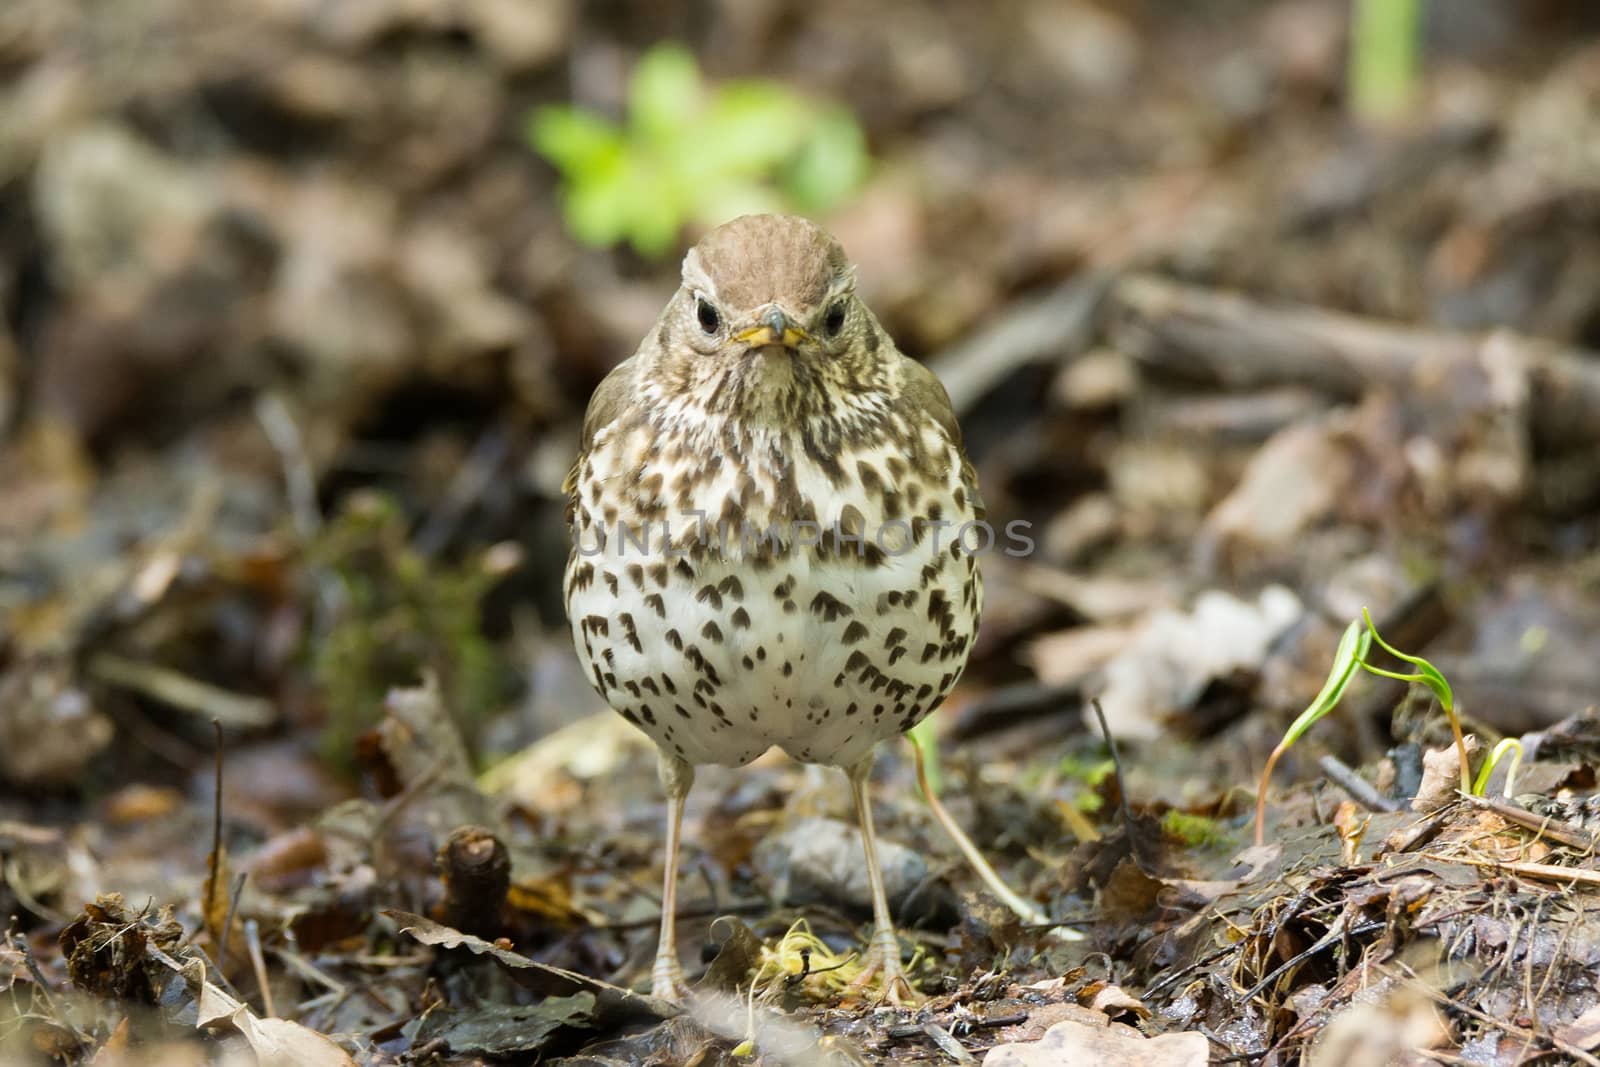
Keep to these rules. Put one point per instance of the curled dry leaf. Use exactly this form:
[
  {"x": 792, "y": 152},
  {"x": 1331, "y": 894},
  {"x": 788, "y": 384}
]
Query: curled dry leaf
[
  {"x": 1441, "y": 777},
  {"x": 276, "y": 1042}
]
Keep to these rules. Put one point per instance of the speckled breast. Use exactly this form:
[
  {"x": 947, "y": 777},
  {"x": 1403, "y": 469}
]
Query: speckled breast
[{"x": 729, "y": 600}]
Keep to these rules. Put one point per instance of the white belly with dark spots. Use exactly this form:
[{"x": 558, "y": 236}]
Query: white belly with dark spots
[{"x": 718, "y": 657}]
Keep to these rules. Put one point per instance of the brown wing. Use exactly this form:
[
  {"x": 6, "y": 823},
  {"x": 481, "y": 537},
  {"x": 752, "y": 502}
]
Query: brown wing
[
  {"x": 610, "y": 398},
  {"x": 923, "y": 389}
]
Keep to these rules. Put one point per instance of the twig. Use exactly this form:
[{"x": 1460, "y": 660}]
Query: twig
[
  {"x": 1544, "y": 825},
  {"x": 1498, "y": 1022},
  {"x": 1243, "y": 343},
  {"x": 1361, "y": 791},
  {"x": 182, "y": 692},
  {"x": 1548, "y": 872},
  {"x": 476, "y": 870},
  {"x": 1123, "y": 811},
  {"x": 233, "y": 907},
  {"x": 300, "y": 483},
  {"x": 216, "y": 848},
  {"x": 306, "y": 969},
  {"x": 475, "y": 475},
  {"x": 252, "y": 940},
  {"x": 1007, "y": 705},
  {"x": 1046, "y": 327},
  {"x": 948, "y": 1044},
  {"x": 20, "y": 943}
]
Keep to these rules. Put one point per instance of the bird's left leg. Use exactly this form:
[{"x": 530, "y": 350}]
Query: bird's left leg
[{"x": 883, "y": 958}]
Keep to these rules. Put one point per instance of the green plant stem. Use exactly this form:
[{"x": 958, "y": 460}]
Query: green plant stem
[
  {"x": 1261, "y": 792},
  {"x": 1025, "y": 910},
  {"x": 926, "y": 742},
  {"x": 1383, "y": 57}
]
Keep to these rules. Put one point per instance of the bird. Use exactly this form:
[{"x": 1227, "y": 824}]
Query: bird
[{"x": 771, "y": 514}]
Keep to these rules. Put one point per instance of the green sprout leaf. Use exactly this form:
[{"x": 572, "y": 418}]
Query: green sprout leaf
[
  {"x": 1481, "y": 783},
  {"x": 1429, "y": 676},
  {"x": 1426, "y": 672},
  {"x": 692, "y": 152},
  {"x": 1351, "y": 653}
]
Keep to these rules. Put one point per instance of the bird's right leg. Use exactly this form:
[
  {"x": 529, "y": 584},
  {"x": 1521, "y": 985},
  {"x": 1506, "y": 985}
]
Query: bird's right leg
[{"x": 666, "y": 977}]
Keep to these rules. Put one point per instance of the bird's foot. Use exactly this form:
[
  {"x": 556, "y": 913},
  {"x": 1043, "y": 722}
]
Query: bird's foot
[
  {"x": 666, "y": 982},
  {"x": 883, "y": 963}
]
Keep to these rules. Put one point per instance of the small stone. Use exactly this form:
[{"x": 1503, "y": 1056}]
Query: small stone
[{"x": 818, "y": 861}]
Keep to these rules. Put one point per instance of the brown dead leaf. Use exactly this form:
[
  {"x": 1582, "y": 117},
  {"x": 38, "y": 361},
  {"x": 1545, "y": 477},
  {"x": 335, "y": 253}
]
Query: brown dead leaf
[
  {"x": 114, "y": 1048},
  {"x": 1582, "y": 1032},
  {"x": 276, "y": 1042},
  {"x": 1162, "y": 671},
  {"x": 1351, "y": 827},
  {"x": 1441, "y": 776},
  {"x": 429, "y": 932},
  {"x": 1382, "y": 1030},
  {"x": 1072, "y": 1044},
  {"x": 424, "y": 746},
  {"x": 1113, "y": 1000}
]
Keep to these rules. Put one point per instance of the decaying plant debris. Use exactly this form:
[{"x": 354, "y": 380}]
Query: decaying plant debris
[{"x": 294, "y": 343}]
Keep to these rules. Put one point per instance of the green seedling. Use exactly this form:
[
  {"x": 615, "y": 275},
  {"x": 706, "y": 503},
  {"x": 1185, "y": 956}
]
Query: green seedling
[
  {"x": 1351, "y": 654},
  {"x": 688, "y": 152},
  {"x": 1428, "y": 675},
  {"x": 1480, "y": 784}
]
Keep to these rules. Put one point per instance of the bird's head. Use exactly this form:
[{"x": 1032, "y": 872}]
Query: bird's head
[{"x": 767, "y": 313}]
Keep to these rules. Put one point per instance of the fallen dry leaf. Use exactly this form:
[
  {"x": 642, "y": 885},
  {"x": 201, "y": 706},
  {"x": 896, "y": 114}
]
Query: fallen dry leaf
[
  {"x": 1582, "y": 1032},
  {"x": 1441, "y": 776},
  {"x": 1176, "y": 654},
  {"x": 1074, "y": 1044}
]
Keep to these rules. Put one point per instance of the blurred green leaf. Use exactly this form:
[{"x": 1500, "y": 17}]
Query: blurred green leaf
[
  {"x": 1481, "y": 784},
  {"x": 664, "y": 95},
  {"x": 831, "y": 163},
  {"x": 597, "y": 210},
  {"x": 718, "y": 201},
  {"x": 579, "y": 143},
  {"x": 1385, "y": 38},
  {"x": 688, "y": 152},
  {"x": 751, "y": 128}
]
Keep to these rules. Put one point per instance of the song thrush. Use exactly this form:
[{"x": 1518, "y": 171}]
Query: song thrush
[{"x": 769, "y": 512}]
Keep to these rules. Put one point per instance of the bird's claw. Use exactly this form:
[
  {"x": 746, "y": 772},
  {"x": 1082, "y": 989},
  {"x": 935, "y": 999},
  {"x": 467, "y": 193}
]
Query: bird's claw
[
  {"x": 666, "y": 983},
  {"x": 883, "y": 962}
]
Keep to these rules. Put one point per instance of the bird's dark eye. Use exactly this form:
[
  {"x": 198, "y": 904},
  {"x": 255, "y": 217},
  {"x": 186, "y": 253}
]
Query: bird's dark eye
[
  {"x": 833, "y": 321},
  {"x": 710, "y": 321}
]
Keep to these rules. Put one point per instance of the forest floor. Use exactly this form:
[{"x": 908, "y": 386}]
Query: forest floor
[{"x": 297, "y": 764}]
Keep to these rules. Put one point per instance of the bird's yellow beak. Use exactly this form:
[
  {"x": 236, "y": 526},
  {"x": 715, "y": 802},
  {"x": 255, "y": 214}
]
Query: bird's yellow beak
[{"x": 774, "y": 329}]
